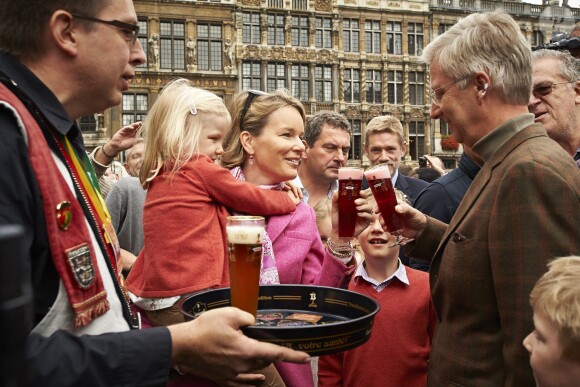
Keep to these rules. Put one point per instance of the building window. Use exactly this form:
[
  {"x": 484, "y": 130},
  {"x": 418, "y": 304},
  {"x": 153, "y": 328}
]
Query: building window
[
  {"x": 373, "y": 36},
  {"x": 394, "y": 38},
  {"x": 135, "y": 107},
  {"x": 88, "y": 123},
  {"x": 416, "y": 139},
  {"x": 323, "y": 83},
  {"x": 300, "y": 5},
  {"x": 415, "y": 36},
  {"x": 443, "y": 128},
  {"x": 537, "y": 38},
  {"x": 276, "y": 30},
  {"x": 416, "y": 88},
  {"x": 350, "y": 35},
  {"x": 251, "y": 33},
  {"x": 300, "y": 31},
  {"x": 355, "y": 150},
  {"x": 323, "y": 37},
  {"x": 251, "y": 76},
  {"x": 142, "y": 37},
  {"x": 209, "y": 47},
  {"x": 443, "y": 27},
  {"x": 395, "y": 87},
  {"x": 300, "y": 81},
  {"x": 352, "y": 85},
  {"x": 276, "y": 76},
  {"x": 172, "y": 45},
  {"x": 374, "y": 86}
]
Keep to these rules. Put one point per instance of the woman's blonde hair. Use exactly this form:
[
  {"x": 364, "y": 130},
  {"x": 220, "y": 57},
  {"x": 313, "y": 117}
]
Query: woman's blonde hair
[
  {"x": 255, "y": 119},
  {"x": 173, "y": 126}
]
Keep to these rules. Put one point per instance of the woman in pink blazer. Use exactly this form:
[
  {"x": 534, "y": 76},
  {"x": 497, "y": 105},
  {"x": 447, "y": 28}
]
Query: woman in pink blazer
[{"x": 264, "y": 146}]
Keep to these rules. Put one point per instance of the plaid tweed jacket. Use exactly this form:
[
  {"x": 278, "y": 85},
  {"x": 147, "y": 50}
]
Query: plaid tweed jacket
[{"x": 521, "y": 211}]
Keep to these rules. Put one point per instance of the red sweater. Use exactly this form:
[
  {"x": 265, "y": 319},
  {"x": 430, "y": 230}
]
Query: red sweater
[
  {"x": 398, "y": 350},
  {"x": 184, "y": 222}
]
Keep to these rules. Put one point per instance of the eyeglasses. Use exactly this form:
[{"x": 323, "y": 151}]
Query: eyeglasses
[
  {"x": 252, "y": 94},
  {"x": 435, "y": 93},
  {"x": 544, "y": 89},
  {"x": 131, "y": 30}
]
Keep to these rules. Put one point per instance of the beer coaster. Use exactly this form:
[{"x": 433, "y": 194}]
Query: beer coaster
[
  {"x": 293, "y": 323},
  {"x": 312, "y": 318},
  {"x": 270, "y": 316}
]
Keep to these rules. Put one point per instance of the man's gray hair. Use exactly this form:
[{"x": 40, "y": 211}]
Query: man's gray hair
[
  {"x": 488, "y": 42},
  {"x": 569, "y": 66}
]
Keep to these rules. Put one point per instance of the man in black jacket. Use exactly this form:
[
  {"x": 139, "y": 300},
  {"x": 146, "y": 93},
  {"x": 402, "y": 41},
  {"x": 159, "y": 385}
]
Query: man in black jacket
[{"x": 60, "y": 60}]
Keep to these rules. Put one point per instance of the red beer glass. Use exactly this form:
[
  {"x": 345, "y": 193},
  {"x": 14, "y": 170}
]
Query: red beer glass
[
  {"x": 379, "y": 179},
  {"x": 349, "y": 186},
  {"x": 245, "y": 234}
]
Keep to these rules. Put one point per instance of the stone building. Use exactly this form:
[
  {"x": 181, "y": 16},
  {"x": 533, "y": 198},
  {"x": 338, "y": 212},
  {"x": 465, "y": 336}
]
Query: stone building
[{"x": 357, "y": 57}]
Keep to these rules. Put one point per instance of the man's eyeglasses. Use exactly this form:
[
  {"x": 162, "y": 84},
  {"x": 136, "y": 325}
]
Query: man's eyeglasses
[
  {"x": 544, "y": 89},
  {"x": 251, "y": 95},
  {"x": 437, "y": 94},
  {"x": 131, "y": 30}
]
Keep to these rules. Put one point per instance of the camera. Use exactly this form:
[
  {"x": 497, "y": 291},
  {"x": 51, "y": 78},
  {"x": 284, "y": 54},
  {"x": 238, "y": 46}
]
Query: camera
[
  {"x": 422, "y": 162},
  {"x": 562, "y": 42}
]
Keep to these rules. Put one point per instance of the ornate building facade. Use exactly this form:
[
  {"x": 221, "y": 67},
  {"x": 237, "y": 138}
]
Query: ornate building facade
[{"x": 357, "y": 57}]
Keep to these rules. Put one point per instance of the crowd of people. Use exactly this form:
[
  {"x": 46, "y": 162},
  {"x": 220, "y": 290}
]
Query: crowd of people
[{"x": 108, "y": 259}]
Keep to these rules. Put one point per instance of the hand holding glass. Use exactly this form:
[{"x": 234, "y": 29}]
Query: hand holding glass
[
  {"x": 349, "y": 185},
  {"x": 379, "y": 179},
  {"x": 245, "y": 234}
]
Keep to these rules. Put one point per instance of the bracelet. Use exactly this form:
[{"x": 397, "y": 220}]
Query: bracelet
[
  {"x": 105, "y": 153},
  {"x": 339, "y": 251},
  {"x": 94, "y": 160}
]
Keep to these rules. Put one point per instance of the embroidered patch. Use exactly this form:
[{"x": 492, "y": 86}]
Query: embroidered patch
[
  {"x": 63, "y": 215},
  {"x": 79, "y": 258}
]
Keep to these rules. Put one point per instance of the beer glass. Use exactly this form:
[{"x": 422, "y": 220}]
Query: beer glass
[
  {"x": 379, "y": 179},
  {"x": 245, "y": 234},
  {"x": 349, "y": 185}
]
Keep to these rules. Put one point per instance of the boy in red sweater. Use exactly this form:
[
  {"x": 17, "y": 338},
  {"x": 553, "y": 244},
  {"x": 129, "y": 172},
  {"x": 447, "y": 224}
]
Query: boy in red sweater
[{"x": 398, "y": 349}]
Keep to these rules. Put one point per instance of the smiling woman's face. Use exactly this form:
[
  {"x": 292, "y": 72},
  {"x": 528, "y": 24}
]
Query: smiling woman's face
[{"x": 278, "y": 149}]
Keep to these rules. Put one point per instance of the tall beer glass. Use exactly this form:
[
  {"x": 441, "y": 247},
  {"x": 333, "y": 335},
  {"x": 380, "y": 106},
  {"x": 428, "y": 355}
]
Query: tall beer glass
[
  {"x": 379, "y": 179},
  {"x": 349, "y": 185},
  {"x": 245, "y": 234}
]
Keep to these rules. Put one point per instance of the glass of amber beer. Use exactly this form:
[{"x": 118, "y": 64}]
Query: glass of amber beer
[
  {"x": 379, "y": 179},
  {"x": 245, "y": 234},
  {"x": 349, "y": 185}
]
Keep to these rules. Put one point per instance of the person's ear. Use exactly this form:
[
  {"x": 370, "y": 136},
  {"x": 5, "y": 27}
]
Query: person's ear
[
  {"x": 404, "y": 148},
  {"x": 247, "y": 141},
  {"x": 482, "y": 82},
  {"x": 577, "y": 90},
  {"x": 64, "y": 32}
]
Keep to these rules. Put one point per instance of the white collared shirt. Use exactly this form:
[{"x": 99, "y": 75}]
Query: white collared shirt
[
  {"x": 400, "y": 274},
  {"x": 305, "y": 196}
]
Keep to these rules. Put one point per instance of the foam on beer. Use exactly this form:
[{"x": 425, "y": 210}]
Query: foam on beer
[
  {"x": 350, "y": 173},
  {"x": 245, "y": 235},
  {"x": 381, "y": 172}
]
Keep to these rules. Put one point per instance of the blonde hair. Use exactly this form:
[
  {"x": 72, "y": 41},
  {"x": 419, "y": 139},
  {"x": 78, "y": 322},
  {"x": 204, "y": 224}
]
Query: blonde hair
[
  {"x": 487, "y": 42},
  {"x": 255, "y": 120},
  {"x": 173, "y": 126},
  {"x": 385, "y": 124},
  {"x": 557, "y": 296}
]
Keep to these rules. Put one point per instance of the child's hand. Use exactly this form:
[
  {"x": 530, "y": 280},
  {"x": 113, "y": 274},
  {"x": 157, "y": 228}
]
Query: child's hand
[{"x": 294, "y": 192}]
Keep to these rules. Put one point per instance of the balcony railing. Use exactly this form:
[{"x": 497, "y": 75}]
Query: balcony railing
[{"x": 511, "y": 7}]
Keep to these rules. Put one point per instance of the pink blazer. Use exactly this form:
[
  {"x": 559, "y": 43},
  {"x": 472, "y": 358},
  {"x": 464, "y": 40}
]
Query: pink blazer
[{"x": 301, "y": 259}]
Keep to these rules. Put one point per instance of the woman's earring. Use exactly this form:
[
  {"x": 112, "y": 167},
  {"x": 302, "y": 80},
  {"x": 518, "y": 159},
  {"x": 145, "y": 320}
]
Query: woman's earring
[{"x": 251, "y": 160}]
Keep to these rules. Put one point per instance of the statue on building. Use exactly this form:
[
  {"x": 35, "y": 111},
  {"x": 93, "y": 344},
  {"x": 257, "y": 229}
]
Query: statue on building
[
  {"x": 191, "y": 52},
  {"x": 229, "y": 50},
  {"x": 154, "y": 50}
]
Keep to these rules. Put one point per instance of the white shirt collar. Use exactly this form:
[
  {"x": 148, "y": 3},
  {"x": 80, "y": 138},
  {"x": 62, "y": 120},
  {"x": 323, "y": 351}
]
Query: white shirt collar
[{"x": 400, "y": 274}]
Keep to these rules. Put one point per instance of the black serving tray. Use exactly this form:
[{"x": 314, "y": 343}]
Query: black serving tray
[{"x": 344, "y": 319}]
